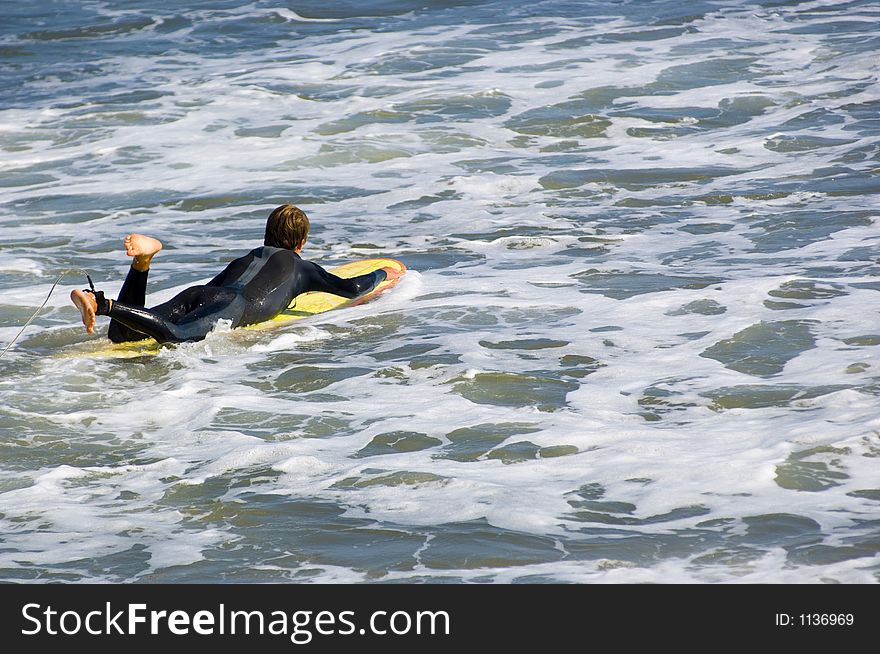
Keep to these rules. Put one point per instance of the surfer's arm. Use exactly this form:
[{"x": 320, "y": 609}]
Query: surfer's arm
[{"x": 348, "y": 287}]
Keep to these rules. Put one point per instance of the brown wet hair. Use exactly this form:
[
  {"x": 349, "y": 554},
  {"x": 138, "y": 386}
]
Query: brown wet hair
[{"x": 287, "y": 227}]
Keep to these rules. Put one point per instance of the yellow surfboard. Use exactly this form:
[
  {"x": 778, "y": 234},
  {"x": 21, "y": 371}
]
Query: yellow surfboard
[{"x": 302, "y": 306}]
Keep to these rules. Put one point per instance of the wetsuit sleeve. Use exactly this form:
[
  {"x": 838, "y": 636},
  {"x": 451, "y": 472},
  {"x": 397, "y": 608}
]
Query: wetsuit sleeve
[{"x": 319, "y": 279}]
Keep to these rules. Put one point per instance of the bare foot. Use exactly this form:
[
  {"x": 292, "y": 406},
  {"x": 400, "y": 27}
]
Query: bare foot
[
  {"x": 87, "y": 305},
  {"x": 142, "y": 248}
]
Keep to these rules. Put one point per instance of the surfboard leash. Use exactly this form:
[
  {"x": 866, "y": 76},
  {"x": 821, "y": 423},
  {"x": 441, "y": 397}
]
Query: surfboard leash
[{"x": 51, "y": 290}]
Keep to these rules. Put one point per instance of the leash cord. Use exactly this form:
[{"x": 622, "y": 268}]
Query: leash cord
[{"x": 51, "y": 290}]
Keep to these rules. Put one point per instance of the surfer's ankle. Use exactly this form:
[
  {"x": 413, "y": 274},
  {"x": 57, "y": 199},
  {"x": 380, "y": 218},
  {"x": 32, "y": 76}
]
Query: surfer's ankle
[
  {"x": 102, "y": 304},
  {"x": 141, "y": 263}
]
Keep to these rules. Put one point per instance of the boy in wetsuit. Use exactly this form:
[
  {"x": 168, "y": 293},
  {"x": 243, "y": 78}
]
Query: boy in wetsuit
[{"x": 251, "y": 289}]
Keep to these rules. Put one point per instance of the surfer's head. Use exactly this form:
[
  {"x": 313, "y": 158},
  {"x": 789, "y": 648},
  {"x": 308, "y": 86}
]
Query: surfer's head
[{"x": 287, "y": 227}]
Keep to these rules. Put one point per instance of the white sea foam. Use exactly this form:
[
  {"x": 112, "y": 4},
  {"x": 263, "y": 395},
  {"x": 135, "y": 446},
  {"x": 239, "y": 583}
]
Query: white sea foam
[{"x": 518, "y": 379}]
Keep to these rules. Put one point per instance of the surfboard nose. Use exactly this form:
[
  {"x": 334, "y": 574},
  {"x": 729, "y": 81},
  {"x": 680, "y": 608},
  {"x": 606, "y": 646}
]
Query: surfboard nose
[{"x": 395, "y": 271}]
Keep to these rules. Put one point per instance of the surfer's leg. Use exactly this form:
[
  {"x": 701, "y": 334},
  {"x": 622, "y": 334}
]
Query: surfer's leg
[
  {"x": 189, "y": 316},
  {"x": 138, "y": 322},
  {"x": 154, "y": 325},
  {"x": 133, "y": 293},
  {"x": 141, "y": 322},
  {"x": 134, "y": 289}
]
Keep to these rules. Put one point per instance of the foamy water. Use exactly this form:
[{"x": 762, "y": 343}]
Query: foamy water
[{"x": 638, "y": 341}]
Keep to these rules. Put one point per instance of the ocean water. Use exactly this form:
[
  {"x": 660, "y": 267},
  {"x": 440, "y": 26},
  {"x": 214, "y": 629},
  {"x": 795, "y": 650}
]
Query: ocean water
[{"x": 639, "y": 340}]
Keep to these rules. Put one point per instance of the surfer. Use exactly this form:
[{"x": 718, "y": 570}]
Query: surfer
[{"x": 251, "y": 289}]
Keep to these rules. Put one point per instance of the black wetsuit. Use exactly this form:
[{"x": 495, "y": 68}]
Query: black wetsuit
[{"x": 252, "y": 289}]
